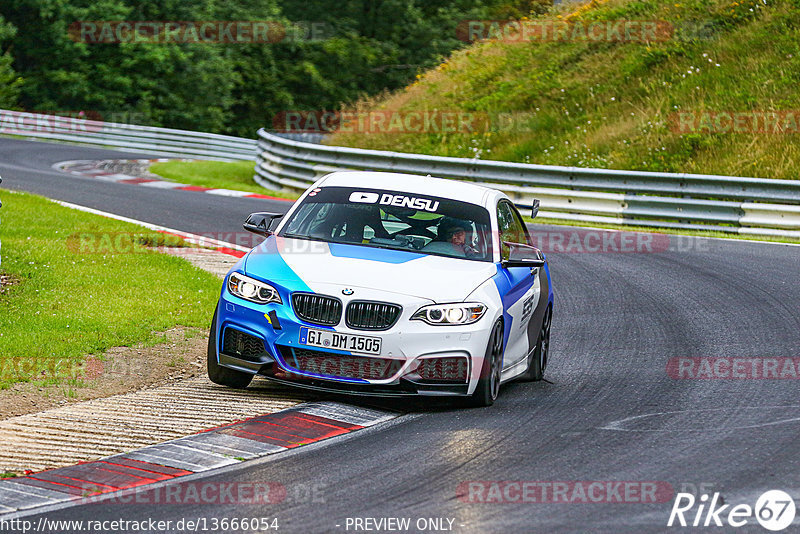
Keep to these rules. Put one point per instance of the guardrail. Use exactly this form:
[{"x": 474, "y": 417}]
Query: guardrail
[
  {"x": 688, "y": 201},
  {"x": 758, "y": 206},
  {"x": 127, "y": 137}
]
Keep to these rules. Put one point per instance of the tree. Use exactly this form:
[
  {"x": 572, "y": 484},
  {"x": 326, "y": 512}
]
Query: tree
[
  {"x": 367, "y": 47},
  {"x": 10, "y": 82},
  {"x": 174, "y": 84}
]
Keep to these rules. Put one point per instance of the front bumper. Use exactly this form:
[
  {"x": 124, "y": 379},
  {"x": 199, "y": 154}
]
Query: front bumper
[{"x": 406, "y": 348}]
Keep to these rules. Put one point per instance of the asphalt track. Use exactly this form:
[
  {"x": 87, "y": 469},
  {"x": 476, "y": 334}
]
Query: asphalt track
[{"x": 619, "y": 318}]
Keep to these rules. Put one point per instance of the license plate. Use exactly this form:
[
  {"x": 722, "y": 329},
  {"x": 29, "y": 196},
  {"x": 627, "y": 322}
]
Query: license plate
[{"x": 335, "y": 340}]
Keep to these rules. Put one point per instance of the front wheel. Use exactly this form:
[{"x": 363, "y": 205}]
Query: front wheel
[
  {"x": 537, "y": 360},
  {"x": 489, "y": 382},
  {"x": 222, "y": 375}
]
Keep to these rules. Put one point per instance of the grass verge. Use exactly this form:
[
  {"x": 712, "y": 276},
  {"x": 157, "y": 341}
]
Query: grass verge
[
  {"x": 84, "y": 284},
  {"x": 657, "y": 105},
  {"x": 236, "y": 175}
]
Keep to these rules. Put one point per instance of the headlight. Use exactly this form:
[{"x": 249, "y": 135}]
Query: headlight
[
  {"x": 253, "y": 290},
  {"x": 450, "y": 314}
]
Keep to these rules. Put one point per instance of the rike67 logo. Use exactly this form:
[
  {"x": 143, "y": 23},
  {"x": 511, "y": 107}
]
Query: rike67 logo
[{"x": 774, "y": 510}]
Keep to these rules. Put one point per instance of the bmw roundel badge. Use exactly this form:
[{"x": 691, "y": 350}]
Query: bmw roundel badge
[{"x": 347, "y": 291}]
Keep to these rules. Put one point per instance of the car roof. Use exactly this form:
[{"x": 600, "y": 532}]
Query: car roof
[{"x": 413, "y": 184}]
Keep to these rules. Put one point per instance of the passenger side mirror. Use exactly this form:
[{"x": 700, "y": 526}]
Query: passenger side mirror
[
  {"x": 522, "y": 255},
  {"x": 535, "y": 208},
  {"x": 261, "y": 223}
]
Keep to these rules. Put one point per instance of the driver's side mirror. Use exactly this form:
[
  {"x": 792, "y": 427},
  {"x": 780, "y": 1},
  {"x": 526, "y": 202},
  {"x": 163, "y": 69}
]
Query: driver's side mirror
[
  {"x": 261, "y": 223},
  {"x": 535, "y": 208},
  {"x": 522, "y": 255}
]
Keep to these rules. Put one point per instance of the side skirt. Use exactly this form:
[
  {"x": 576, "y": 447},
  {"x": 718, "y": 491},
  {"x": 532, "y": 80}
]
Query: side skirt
[{"x": 514, "y": 371}]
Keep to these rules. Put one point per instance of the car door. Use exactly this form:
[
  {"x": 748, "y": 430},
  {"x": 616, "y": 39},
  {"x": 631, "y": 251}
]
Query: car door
[{"x": 519, "y": 290}]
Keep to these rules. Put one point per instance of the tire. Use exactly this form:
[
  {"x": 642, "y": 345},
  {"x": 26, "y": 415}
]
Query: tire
[
  {"x": 489, "y": 381},
  {"x": 222, "y": 375},
  {"x": 537, "y": 360}
]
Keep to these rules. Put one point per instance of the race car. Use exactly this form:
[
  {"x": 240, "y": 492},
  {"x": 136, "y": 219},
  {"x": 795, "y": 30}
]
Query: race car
[{"x": 387, "y": 284}]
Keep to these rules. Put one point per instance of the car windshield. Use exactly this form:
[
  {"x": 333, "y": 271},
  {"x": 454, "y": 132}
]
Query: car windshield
[{"x": 394, "y": 220}]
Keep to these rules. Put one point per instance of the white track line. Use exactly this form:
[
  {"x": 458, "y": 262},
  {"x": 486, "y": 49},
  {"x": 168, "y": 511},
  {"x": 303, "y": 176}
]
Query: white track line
[{"x": 188, "y": 237}]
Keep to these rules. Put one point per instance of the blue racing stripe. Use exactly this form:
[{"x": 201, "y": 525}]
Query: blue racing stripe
[
  {"x": 265, "y": 262},
  {"x": 512, "y": 284}
]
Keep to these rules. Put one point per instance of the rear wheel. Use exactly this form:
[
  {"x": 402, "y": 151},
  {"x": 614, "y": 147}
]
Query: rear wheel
[
  {"x": 489, "y": 382},
  {"x": 217, "y": 373},
  {"x": 537, "y": 360}
]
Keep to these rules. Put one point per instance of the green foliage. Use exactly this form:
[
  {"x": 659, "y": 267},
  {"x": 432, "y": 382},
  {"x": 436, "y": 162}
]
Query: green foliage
[
  {"x": 156, "y": 82},
  {"x": 10, "y": 82},
  {"x": 85, "y": 285},
  {"x": 335, "y": 51},
  {"x": 613, "y": 104},
  {"x": 236, "y": 175}
]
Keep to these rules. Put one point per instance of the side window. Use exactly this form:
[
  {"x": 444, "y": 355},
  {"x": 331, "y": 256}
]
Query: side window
[
  {"x": 510, "y": 226},
  {"x": 524, "y": 235}
]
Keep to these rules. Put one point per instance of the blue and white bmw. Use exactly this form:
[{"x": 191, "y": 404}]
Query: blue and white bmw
[{"x": 387, "y": 284}]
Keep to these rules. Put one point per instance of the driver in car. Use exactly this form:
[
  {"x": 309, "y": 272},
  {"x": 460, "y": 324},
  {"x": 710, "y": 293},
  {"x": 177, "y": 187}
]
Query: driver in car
[{"x": 459, "y": 234}]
